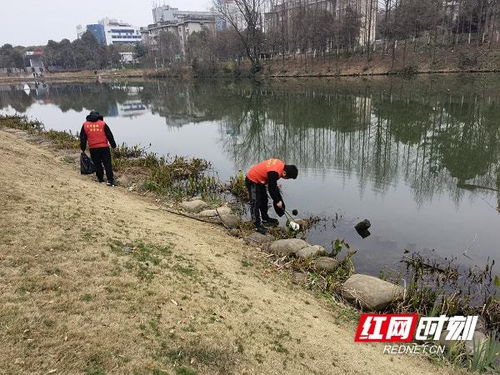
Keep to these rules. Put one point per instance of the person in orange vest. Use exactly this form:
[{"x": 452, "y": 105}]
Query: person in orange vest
[
  {"x": 98, "y": 135},
  {"x": 267, "y": 172}
]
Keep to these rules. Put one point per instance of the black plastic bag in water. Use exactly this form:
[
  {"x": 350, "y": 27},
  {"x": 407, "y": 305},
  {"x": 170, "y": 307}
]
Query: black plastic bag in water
[{"x": 86, "y": 164}]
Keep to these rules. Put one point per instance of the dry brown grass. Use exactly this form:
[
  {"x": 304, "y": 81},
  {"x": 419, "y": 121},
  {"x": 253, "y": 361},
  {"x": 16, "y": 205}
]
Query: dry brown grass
[
  {"x": 447, "y": 60},
  {"x": 97, "y": 280},
  {"x": 80, "y": 76}
]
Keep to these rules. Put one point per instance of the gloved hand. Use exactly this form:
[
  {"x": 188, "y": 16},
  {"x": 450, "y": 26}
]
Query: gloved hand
[{"x": 279, "y": 207}]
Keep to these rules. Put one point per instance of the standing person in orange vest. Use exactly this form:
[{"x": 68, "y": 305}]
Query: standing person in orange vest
[
  {"x": 99, "y": 137},
  {"x": 267, "y": 173}
]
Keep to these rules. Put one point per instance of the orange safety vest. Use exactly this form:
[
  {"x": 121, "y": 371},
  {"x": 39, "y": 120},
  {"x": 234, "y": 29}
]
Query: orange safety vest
[
  {"x": 96, "y": 137},
  {"x": 258, "y": 173}
]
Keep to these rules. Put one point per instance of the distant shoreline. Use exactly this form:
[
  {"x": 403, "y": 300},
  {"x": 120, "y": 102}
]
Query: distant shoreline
[{"x": 107, "y": 75}]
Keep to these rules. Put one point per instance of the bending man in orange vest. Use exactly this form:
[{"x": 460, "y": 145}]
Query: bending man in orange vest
[
  {"x": 267, "y": 173},
  {"x": 99, "y": 137}
]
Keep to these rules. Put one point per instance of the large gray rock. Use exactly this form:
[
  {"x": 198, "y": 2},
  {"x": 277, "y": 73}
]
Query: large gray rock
[
  {"x": 371, "y": 292},
  {"x": 327, "y": 264},
  {"x": 310, "y": 251},
  {"x": 474, "y": 345},
  {"x": 258, "y": 239},
  {"x": 478, "y": 339},
  {"x": 194, "y": 206},
  {"x": 230, "y": 221},
  {"x": 222, "y": 211},
  {"x": 208, "y": 213},
  {"x": 287, "y": 246}
]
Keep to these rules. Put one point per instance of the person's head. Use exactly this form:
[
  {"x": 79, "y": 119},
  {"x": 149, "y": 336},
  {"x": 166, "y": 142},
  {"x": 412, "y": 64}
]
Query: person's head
[
  {"x": 93, "y": 116},
  {"x": 290, "y": 171}
]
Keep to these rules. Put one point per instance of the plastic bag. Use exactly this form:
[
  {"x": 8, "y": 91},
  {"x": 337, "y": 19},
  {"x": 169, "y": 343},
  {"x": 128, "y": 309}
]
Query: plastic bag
[{"x": 86, "y": 164}]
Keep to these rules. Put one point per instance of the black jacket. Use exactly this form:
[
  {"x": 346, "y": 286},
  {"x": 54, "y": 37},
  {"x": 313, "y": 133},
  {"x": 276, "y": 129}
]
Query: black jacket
[
  {"x": 83, "y": 136},
  {"x": 272, "y": 186}
]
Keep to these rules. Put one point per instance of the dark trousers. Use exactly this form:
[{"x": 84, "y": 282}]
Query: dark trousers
[
  {"x": 102, "y": 156},
  {"x": 257, "y": 195}
]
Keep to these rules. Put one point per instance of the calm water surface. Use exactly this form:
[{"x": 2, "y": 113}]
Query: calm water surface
[{"x": 419, "y": 158}]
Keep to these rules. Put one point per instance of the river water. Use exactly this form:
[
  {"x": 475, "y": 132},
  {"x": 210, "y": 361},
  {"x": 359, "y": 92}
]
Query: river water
[{"x": 419, "y": 158}]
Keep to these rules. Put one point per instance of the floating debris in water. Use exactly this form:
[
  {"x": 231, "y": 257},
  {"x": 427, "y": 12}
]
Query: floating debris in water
[{"x": 362, "y": 228}]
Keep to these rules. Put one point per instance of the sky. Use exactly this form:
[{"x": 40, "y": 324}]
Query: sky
[{"x": 34, "y": 22}]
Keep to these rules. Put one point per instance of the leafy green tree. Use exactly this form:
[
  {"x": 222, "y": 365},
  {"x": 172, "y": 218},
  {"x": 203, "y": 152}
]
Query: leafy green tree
[
  {"x": 83, "y": 53},
  {"x": 11, "y": 57},
  {"x": 140, "y": 50}
]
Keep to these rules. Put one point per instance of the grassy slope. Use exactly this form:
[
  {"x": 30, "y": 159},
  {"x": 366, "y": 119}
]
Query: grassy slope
[
  {"x": 98, "y": 280},
  {"x": 446, "y": 60}
]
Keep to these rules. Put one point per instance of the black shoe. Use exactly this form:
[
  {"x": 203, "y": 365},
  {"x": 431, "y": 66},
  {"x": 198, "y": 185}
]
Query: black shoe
[
  {"x": 100, "y": 181},
  {"x": 270, "y": 221},
  {"x": 261, "y": 229},
  {"x": 111, "y": 183}
]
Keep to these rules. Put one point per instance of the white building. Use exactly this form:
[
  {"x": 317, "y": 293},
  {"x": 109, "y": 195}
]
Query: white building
[
  {"x": 166, "y": 13},
  {"x": 111, "y": 31},
  {"x": 183, "y": 29},
  {"x": 119, "y": 32},
  {"x": 128, "y": 58},
  {"x": 181, "y": 23},
  {"x": 35, "y": 60}
]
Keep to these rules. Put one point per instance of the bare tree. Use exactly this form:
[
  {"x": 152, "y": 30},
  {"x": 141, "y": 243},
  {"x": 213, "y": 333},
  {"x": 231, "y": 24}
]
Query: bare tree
[
  {"x": 169, "y": 47},
  {"x": 245, "y": 17},
  {"x": 319, "y": 28},
  {"x": 277, "y": 27}
]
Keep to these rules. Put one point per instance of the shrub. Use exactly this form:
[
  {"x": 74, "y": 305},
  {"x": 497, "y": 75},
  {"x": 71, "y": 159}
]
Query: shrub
[
  {"x": 237, "y": 186},
  {"x": 409, "y": 69},
  {"x": 466, "y": 60},
  {"x": 21, "y": 123},
  {"x": 63, "y": 140}
]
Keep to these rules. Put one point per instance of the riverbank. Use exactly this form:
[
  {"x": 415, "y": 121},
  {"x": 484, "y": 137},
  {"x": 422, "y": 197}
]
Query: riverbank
[
  {"x": 100, "y": 280},
  {"x": 406, "y": 61},
  {"x": 403, "y": 61},
  {"x": 78, "y": 76}
]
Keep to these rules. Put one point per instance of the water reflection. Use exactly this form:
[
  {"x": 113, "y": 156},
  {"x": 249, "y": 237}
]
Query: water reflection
[
  {"x": 110, "y": 100},
  {"x": 437, "y": 136},
  {"x": 419, "y": 157},
  {"x": 436, "y": 139}
]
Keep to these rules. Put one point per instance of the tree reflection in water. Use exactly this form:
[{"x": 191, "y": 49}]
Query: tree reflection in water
[
  {"x": 435, "y": 134},
  {"x": 440, "y": 135}
]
